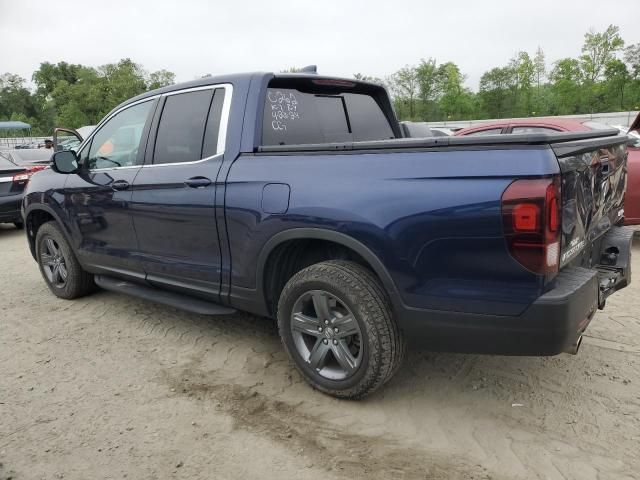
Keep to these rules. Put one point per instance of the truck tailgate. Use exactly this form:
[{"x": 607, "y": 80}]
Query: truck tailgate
[{"x": 594, "y": 178}]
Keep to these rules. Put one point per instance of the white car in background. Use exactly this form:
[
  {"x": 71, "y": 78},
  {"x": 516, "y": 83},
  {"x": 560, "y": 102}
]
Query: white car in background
[{"x": 443, "y": 131}]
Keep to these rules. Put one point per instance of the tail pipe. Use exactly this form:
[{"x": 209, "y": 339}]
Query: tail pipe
[{"x": 575, "y": 346}]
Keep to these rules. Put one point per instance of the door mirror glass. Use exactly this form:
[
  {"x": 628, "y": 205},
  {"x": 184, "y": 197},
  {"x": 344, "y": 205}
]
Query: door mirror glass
[
  {"x": 66, "y": 139},
  {"x": 65, "y": 162}
]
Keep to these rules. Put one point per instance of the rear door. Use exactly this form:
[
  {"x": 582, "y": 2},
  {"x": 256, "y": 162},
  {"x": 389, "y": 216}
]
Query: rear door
[{"x": 173, "y": 204}]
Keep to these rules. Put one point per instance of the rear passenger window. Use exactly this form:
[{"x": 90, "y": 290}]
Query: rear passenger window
[
  {"x": 492, "y": 131},
  {"x": 525, "y": 129},
  {"x": 212, "y": 128},
  {"x": 294, "y": 117},
  {"x": 189, "y": 126}
]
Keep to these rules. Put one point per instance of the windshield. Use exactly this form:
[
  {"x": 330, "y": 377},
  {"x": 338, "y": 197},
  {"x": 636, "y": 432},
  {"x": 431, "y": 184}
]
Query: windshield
[{"x": 5, "y": 161}]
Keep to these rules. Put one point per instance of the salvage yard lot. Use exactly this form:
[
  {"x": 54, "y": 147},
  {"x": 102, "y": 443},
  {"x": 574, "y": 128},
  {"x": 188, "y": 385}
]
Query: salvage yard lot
[{"x": 111, "y": 387}]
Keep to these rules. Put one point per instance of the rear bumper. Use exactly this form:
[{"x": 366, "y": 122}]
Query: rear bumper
[
  {"x": 550, "y": 325},
  {"x": 10, "y": 208}
]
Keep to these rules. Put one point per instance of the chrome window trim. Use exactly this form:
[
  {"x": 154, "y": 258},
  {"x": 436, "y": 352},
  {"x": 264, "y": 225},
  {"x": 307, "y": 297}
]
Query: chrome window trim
[
  {"x": 202, "y": 160},
  {"x": 222, "y": 131},
  {"x": 113, "y": 168}
]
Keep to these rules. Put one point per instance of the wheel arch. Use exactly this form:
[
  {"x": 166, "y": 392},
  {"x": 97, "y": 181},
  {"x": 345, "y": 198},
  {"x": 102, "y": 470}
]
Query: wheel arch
[
  {"x": 35, "y": 216},
  {"x": 370, "y": 259}
]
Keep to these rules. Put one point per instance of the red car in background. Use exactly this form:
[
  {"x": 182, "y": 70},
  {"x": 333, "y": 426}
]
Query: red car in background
[{"x": 548, "y": 125}]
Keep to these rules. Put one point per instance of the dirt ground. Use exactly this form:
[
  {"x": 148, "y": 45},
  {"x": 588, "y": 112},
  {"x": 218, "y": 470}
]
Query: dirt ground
[{"x": 114, "y": 387}]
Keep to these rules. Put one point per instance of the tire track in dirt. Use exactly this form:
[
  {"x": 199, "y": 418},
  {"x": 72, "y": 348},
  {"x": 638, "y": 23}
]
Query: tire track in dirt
[{"x": 350, "y": 455}]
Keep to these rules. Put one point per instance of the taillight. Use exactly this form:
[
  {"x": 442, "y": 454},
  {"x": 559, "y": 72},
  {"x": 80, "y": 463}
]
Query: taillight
[
  {"x": 24, "y": 177},
  {"x": 21, "y": 177},
  {"x": 531, "y": 220}
]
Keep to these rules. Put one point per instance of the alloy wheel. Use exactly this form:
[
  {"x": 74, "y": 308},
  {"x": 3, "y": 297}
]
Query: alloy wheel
[
  {"x": 326, "y": 335},
  {"x": 53, "y": 262}
]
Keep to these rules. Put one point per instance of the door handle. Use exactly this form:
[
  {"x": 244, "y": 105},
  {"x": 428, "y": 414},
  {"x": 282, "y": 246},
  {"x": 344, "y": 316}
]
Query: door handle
[
  {"x": 198, "y": 182},
  {"x": 120, "y": 185}
]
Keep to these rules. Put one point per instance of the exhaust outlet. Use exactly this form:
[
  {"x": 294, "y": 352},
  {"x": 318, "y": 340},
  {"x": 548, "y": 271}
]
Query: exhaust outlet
[{"x": 574, "y": 347}]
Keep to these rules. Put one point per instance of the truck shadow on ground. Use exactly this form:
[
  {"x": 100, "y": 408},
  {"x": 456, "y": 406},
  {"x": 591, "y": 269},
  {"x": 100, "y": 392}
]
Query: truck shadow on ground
[
  {"x": 8, "y": 230},
  {"x": 247, "y": 348}
]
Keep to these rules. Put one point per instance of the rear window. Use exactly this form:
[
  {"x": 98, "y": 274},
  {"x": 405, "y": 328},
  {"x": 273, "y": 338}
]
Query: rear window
[
  {"x": 480, "y": 133},
  {"x": 5, "y": 162},
  {"x": 293, "y": 117}
]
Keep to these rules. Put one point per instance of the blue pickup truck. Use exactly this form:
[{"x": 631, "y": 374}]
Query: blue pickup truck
[{"x": 296, "y": 197}]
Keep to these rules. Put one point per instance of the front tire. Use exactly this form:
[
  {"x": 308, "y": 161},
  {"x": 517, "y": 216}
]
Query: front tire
[
  {"x": 59, "y": 266},
  {"x": 336, "y": 324}
]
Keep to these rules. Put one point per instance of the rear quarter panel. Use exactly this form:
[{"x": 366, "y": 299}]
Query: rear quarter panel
[{"x": 433, "y": 218}]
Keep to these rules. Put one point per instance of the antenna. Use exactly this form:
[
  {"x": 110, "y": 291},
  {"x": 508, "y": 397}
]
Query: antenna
[{"x": 309, "y": 69}]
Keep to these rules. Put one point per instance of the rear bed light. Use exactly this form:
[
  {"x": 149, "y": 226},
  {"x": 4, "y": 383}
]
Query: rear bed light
[{"x": 531, "y": 220}]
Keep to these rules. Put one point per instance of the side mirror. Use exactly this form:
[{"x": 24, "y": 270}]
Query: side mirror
[
  {"x": 65, "y": 162},
  {"x": 65, "y": 139}
]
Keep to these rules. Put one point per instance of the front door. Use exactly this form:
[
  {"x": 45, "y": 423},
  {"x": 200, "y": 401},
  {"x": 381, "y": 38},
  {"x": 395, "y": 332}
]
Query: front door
[
  {"x": 98, "y": 197},
  {"x": 174, "y": 195}
]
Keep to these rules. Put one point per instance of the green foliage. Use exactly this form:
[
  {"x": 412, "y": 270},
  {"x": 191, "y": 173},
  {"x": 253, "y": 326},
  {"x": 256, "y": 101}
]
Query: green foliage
[
  {"x": 596, "y": 80},
  {"x": 74, "y": 95}
]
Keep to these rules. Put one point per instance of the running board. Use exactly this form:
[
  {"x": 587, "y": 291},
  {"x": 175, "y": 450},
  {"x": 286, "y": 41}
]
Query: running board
[{"x": 172, "y": 299}]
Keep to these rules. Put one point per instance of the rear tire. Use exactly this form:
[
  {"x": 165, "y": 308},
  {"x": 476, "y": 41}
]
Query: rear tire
[
  {"x": 19, "y": 225},
  {"x": 360, "y": 356},
  {"x": 59, "y": 266}
]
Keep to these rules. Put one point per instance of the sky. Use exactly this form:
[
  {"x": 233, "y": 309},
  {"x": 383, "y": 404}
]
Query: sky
[{"x": 375, "y": 37}]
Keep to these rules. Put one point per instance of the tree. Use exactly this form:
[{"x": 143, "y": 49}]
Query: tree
[
  {"x": 16, "y": 99},
  {"x": 48, "y": 75},
  {"x": 597, "y": 51},
  {"x": 523, "y": 71},
  {"x": 427, "y": 74},
  {"x": 455, "y": 100},
  {"x": 566, "y": 77},
  {"x": 122, "y": 80},
  {"x": 632, "y": 57},
  {"x": 540, "y": 71},
  {"x": 369, "y": 78},
  {"x": 494, "y": 91},
  {"x": 617, "y": 77},
  {"x": 161, "y": 78},
  {"x": 405, "y": 87}
]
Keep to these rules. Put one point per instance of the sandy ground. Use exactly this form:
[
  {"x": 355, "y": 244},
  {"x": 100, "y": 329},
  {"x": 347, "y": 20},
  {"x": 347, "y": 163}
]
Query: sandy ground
[{"x": 114, "y": 387}]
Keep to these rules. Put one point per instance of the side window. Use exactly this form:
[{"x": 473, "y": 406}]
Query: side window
[
  {"x": 525, "y": 129},
  {"x": 116, "y": 144},
  {"x": 182, "y": 126},
  {"x": 212, "y": 129},
  {"x": 491, "y": 131}
]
